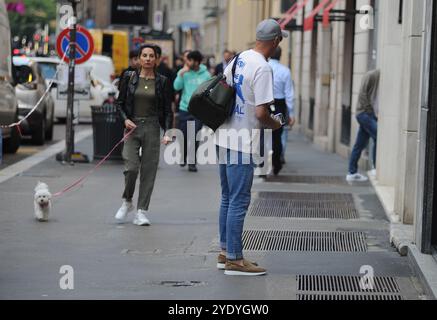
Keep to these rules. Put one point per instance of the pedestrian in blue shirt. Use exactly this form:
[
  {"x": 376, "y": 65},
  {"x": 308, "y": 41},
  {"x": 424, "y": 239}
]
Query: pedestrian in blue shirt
[{"x": 283, "y": 92}]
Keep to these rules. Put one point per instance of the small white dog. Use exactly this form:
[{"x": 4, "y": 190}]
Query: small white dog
[{"x": 43, "y": 202}]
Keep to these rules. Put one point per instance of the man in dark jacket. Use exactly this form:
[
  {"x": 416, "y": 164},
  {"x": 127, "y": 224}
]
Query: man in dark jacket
[
  {"x": 227, "y": 58},
  {"x": 134, "y": 64},
  {"x": 163, "y": 68}
]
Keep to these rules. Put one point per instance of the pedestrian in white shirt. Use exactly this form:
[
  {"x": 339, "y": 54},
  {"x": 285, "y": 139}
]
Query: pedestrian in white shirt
[{"x": 253, "y": 81}]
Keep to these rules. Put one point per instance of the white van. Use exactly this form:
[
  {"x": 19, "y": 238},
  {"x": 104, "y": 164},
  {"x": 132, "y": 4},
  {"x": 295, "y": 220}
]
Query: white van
[
  {"x": 8, "y": 100},
  {"x": 102, "y": 69}
]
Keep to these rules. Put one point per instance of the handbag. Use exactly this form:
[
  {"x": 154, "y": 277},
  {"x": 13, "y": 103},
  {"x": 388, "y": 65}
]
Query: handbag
[{"x": 214, "y": 100}]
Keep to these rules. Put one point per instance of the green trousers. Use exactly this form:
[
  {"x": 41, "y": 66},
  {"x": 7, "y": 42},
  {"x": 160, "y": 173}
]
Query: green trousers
[{"x": 147, "y": 137}]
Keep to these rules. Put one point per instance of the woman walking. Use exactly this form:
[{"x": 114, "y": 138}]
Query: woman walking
[{"x": 144, "y": 104}]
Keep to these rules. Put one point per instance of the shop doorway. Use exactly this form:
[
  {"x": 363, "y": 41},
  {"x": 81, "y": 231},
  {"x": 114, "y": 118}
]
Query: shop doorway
[{"x": 348, "y": 63}]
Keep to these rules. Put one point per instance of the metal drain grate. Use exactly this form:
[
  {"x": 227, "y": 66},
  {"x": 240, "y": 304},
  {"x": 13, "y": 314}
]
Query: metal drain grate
[
  {"x": 323, "y": 283},
  {"x": 344, "y": 297},
  {"x": 303, "y": 209},
  {"x": 339, "y": 180},
  {"x": 312, "y": 241},
  {"x": 304, "y": 205},
  {"x": 346, "y": 197}
]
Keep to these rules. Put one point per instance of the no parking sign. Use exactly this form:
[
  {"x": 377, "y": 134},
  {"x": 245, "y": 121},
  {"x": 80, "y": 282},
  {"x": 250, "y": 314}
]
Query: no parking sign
[{"x": 84, "y": 47}]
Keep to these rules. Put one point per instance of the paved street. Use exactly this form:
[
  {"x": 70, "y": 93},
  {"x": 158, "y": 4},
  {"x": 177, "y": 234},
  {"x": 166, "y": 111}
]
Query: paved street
[
  {"x": 27, "y": 149},
  {"x": 175, "y": 258}
]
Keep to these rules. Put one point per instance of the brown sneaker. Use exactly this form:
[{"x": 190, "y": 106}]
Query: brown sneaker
[
  {"x": 221, "y": 262},
  {"x": 249, "y": 269}
]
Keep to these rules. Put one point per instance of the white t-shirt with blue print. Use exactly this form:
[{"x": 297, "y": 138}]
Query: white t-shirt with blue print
[{"x": 253, "y": 82}]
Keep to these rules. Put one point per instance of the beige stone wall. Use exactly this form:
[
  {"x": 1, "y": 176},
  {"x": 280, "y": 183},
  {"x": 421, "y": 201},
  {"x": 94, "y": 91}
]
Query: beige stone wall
[
  {"x": 243, "y": 18},
  {"x": 398, "y": 132},
  {"x": 297, "y": 69},
  {"x": 390, "y": 63},
  {"x": 324, "y": 50},
  {"x": 307, "y": 84}
]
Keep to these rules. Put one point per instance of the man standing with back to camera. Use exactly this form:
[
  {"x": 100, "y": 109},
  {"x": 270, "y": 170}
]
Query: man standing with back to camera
[{"x": 254, "y": 81}]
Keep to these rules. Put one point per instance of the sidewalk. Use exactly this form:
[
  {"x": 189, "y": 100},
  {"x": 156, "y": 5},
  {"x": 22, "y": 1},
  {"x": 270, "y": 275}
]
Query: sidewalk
[{"x": 175, "y": 258}]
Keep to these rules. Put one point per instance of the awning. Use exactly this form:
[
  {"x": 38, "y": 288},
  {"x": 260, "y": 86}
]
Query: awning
[
  {"x": 327, "y": 12},
  {"x": 188, "y": 25},
  {"x": 308, "y": 24},
  {"x": 292, "y": 12}
]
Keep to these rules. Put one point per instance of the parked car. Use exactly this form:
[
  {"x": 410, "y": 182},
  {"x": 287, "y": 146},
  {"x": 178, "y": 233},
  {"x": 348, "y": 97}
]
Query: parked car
[
  {"x": 30, "y": 88},
  {"x": 48, "y": 67},
  {"x": 8, "y": 100},
  {"x": 102, "y": 70}
]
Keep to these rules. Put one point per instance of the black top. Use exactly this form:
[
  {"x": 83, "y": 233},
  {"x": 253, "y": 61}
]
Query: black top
[{"x": 126, "y": 99}]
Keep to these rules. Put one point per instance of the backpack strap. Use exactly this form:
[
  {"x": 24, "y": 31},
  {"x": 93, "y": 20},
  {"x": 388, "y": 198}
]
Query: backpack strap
[{"x": 234, "y": 67}]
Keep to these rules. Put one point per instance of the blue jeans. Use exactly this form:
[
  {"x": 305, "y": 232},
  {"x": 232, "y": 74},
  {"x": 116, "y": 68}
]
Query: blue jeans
[
  {"x": 236, "y": 181},
  {"x": 368, "y": 129},
  {"x": 184, "y": 119}
]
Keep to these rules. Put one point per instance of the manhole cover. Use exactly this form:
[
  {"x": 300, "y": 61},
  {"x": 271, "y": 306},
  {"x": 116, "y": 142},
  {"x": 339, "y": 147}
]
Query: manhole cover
[
  {"x": 338, "y": 180},
  {"x": 311, "y": 241}
]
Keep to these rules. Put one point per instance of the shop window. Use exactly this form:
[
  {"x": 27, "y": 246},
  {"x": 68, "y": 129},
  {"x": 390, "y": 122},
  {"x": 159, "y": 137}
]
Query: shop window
[
  {"x": 349, "y": 42},
  {"x": 287, "y": 4}
]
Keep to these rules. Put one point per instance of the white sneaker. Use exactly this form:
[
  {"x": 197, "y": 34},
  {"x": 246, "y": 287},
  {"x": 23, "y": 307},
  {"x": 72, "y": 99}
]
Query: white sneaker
[
  {"x": 125, "y": 209},
  {"x": 373, "y": 172},
  {"x": 356, "y": 178},
  {"x": 141, "y": 219}
]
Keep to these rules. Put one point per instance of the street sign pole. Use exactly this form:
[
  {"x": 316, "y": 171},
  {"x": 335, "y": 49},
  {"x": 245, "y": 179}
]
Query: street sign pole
[{"x": 69, "y": 139}]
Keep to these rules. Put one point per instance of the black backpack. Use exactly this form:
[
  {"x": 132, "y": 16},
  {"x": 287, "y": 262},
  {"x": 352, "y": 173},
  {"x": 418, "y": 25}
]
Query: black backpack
[{"x": 214, "y": 100}]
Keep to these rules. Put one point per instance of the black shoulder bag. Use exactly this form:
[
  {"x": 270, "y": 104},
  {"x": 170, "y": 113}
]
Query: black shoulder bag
[{"x": 214, "y": 100}]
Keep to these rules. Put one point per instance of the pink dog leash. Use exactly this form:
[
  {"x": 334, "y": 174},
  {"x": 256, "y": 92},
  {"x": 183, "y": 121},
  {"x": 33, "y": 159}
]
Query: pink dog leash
[{"x": 78, "y": 182}]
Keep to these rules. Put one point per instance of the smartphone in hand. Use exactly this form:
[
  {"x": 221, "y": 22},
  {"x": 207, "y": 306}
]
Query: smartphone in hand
[{"x": 280, "y": 118}]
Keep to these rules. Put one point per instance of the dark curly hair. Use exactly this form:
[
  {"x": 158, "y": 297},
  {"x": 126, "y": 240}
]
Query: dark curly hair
[{"x": 196, "y": 56}]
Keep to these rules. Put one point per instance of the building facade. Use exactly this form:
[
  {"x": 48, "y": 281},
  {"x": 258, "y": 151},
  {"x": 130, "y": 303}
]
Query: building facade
[
  {"x": 329, "y": 61},
  {"x": 185, "y": 20},
  {"x": 97, "y": 11},
  {"x": 216, "y": 28}
]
